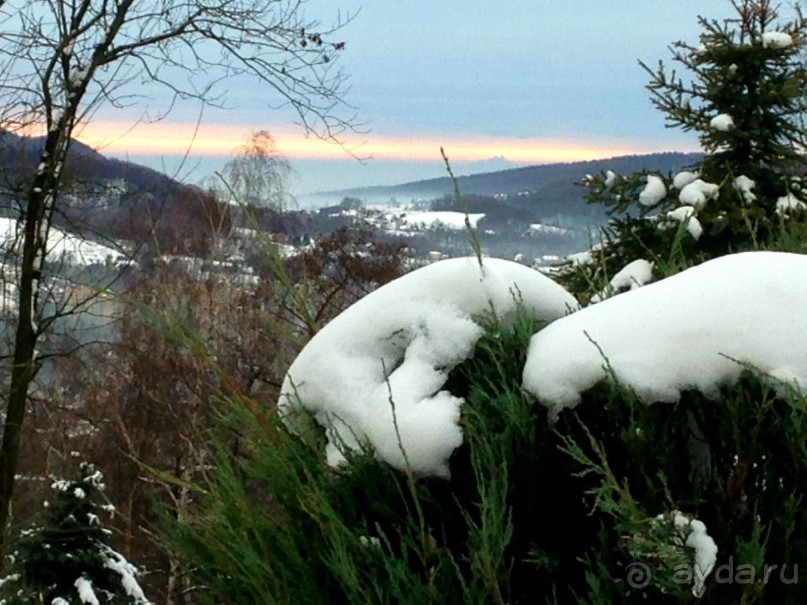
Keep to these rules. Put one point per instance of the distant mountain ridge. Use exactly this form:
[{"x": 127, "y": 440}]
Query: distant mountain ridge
[
  {"x": 152, "y": 204},
  {"x": 553, "y": 181}
]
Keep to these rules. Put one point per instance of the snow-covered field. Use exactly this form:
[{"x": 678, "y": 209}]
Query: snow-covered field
[
  {"x": 61, "y": 246},
  {"x": 449, "y": 220},
  {"x": 404, "y": 221},
  {"x": 540, "y": 228}
]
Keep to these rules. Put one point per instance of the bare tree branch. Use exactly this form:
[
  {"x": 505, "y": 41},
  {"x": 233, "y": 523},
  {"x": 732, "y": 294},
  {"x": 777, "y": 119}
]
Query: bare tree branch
[{"x": 60, "y": 61}]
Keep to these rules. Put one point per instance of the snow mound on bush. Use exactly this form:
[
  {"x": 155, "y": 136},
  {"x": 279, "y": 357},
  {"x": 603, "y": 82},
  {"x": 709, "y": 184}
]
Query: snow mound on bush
[
  {"x": 723, "y": 122},
  {"x": 395, "y": 348},
  {"x": 654, "y": 191},
  {"x": 686, "y": 214},
  {"x": 694, "y": 330},
  {"x": 776, "y": 40}
]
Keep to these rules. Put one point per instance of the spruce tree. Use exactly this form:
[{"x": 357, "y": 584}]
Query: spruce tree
[
  {"x": 743, "y": 92},
  {"x": 67, "y": 557}
]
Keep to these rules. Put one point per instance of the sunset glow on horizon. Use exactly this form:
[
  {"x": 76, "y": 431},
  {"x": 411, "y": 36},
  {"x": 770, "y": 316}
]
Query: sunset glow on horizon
[{"x": 221, "y": 140}]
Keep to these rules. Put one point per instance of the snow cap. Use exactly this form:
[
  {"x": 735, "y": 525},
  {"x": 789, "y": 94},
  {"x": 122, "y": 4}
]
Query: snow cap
[
  {"x": 698, "y": 329},
  {"x": 654, "y": 191},
  {"x": 374, "y": 375}
]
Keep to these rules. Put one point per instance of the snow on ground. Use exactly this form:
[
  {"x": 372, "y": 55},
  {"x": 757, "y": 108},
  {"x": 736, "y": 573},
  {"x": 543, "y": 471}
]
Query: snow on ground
[
  {"x": 432, "y": 220},
  {"x": 540, "y": 228},
  {"x": 286, "y": 251},
  {"x": 693, "y": 330},
  {"x": 61, "y": 246},
  {"x": 397, "y": 345}
]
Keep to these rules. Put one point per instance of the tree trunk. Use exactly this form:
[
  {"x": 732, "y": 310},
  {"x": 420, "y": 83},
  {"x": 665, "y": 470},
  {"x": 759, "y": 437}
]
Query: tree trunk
[{"x": 23, "y": 371}]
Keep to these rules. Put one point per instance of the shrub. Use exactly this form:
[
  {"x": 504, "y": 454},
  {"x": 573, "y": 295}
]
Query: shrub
[{"x": 535, "y": 512}]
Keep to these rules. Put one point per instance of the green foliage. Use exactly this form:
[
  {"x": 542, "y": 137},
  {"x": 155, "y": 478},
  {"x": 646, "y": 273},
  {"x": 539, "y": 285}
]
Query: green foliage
[
  {"x": 756, "y": 87},
  {"x": 534, "y": 512},
  {"x": 279, "y": 526},
  {"x": 738, "y": 463},
  {"x": 70, "y": 548}
]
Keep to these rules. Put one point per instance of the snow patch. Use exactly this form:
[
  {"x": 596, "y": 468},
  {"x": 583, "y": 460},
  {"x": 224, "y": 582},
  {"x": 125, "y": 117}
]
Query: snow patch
[
  {"x": 705, "y": 555},
  {"x": 128, "y": 575},
  {"x": 694, "y": 330},
  {"x": 691, "y": 533},
  {"x": 684, "y": 178},
  {"x": 686, "y": 214},
  {"x": 86, "y": 593},
  {"x": 374, "y": 375},
  {"x": 540, "y": 228},
  {"x": 788, "y": 203},
  {"x": 62, "y": 246},
  {"x": 654, "y": 191},
  {"x": 722, "y": 122},
  {"x": 633, "y": 275},
  {"x": 697, "y": 193},
  {"x": 744, "y": 185},
  {"x": 777, "y": 40},
  {"x": 446, "y": 219},
  {"x": 580, "y": 258}
]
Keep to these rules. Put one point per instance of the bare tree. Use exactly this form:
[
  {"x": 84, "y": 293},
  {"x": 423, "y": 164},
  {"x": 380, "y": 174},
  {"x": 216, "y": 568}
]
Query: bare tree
[
  {"x": 60, "y": 60},
  {"x": 257, "y": 174}
]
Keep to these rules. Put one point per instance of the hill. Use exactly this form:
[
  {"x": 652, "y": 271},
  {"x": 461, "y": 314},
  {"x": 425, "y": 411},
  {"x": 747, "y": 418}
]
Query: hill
[
  {"x": 123, "y": 201},
  {"x": 555, "y": 185},
  {"x": 109, "y": 199},
  {"x": 18, "y": 155}
]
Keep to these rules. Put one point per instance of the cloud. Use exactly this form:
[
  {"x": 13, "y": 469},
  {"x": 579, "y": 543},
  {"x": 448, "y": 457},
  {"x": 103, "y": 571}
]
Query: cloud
[{"x": 221, "y": 140}]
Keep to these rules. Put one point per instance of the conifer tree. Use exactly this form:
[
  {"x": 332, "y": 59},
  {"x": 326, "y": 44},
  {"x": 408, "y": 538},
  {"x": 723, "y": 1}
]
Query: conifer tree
[
  {"x": 743, "y": 93},
  {"x": 67, "y": 558}
]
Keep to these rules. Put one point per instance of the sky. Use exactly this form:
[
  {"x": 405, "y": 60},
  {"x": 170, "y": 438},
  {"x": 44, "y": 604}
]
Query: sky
[{"x": 497, "y": 83}]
